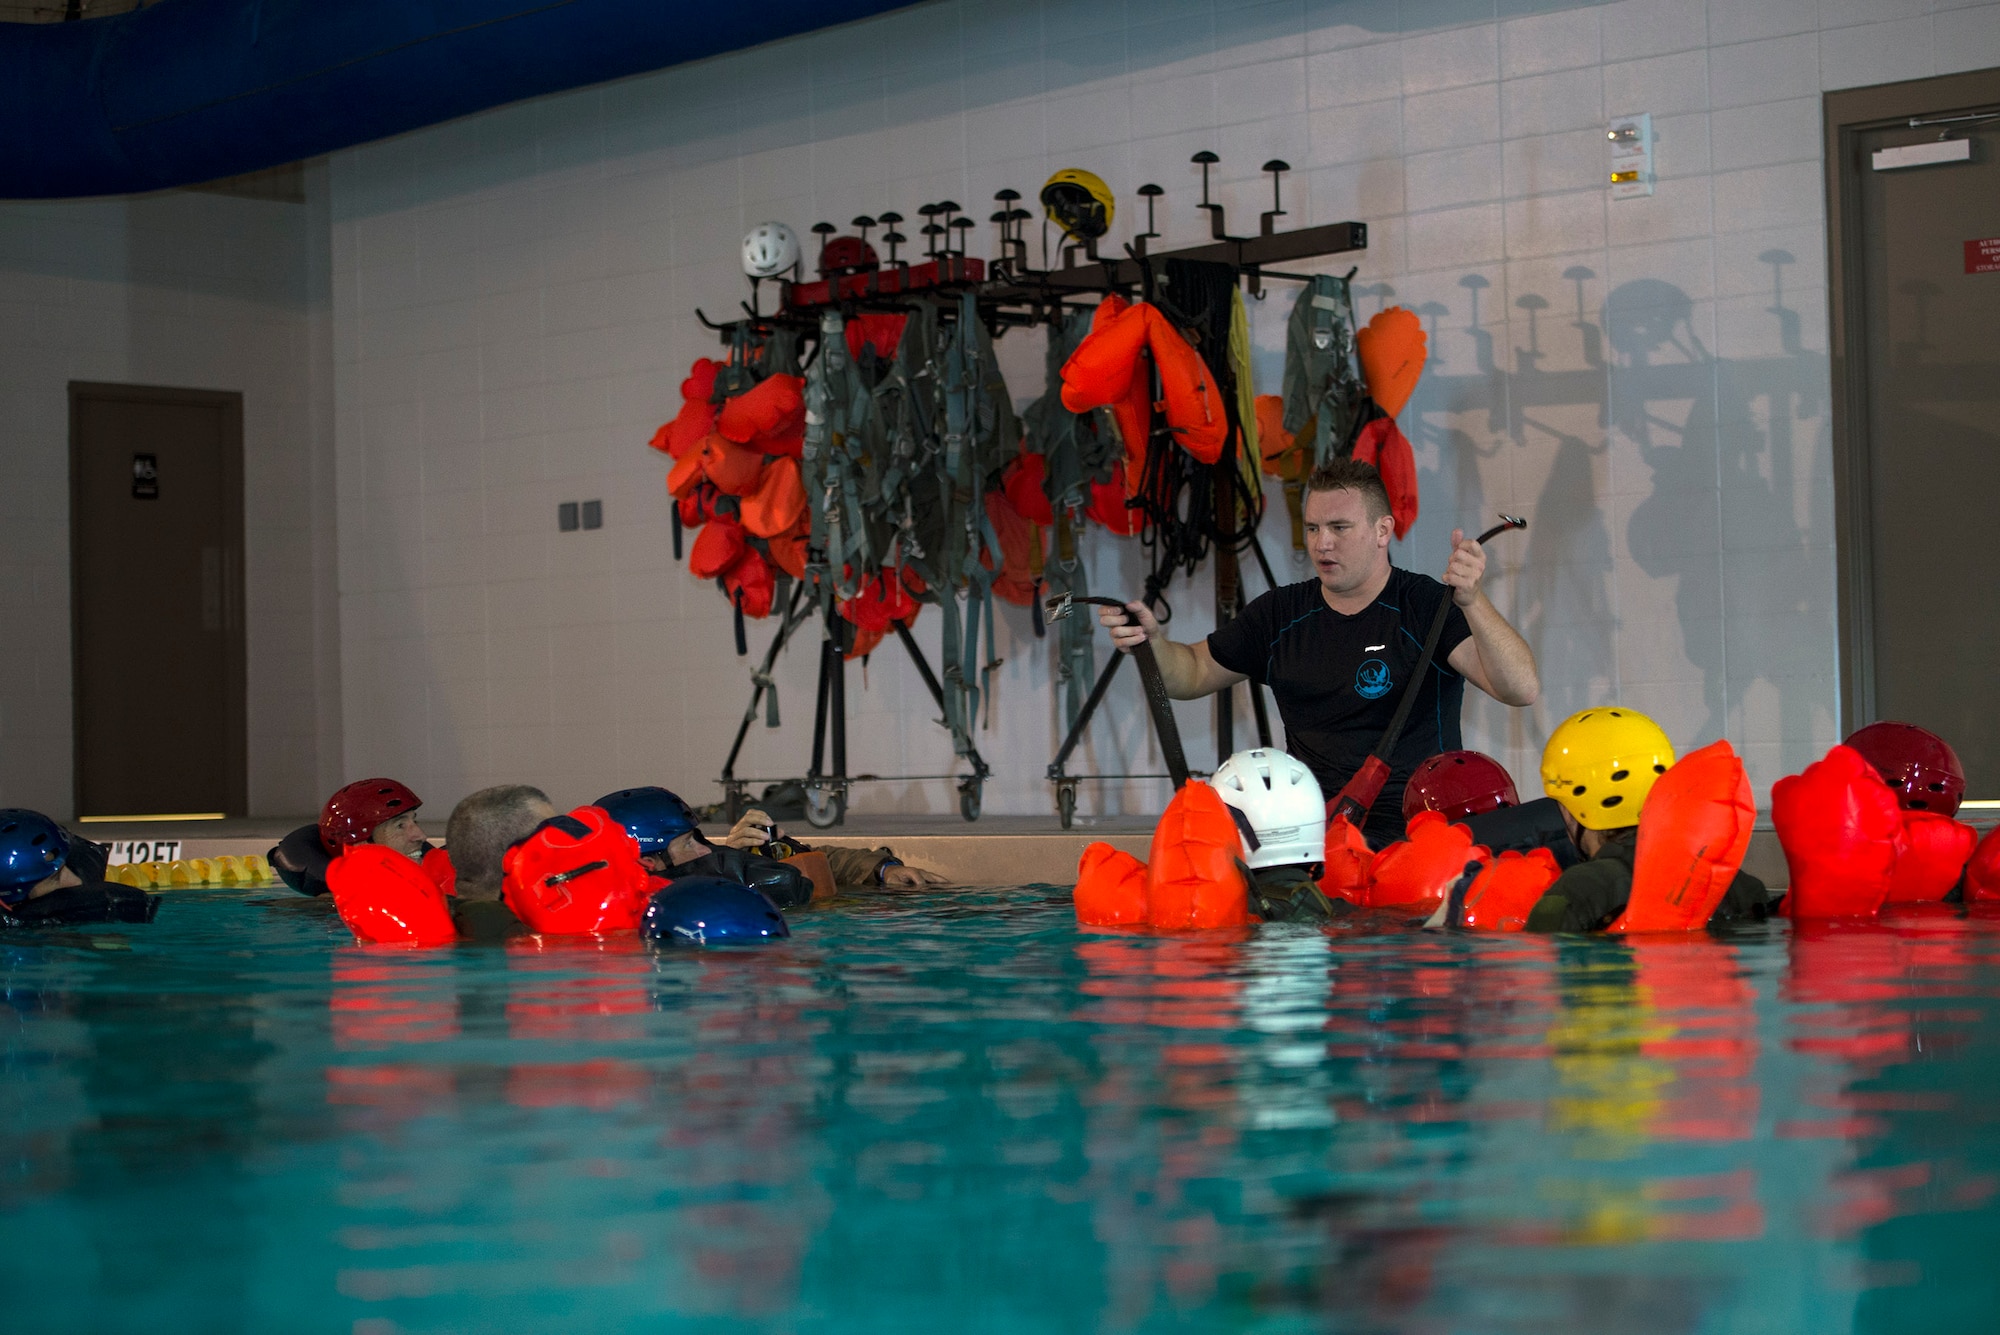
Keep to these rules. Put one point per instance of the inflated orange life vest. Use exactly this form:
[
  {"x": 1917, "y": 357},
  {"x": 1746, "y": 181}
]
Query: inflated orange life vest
[
  {"x": 1982, "y": 872},
  {"x": 716, "y": 548},
  {"x": 1693, "y": 833},
  {"x": 1392, "y": 349},
  {"x": 769, "y": 418},
  {"x": 437, "y": 866},
  {"x": 1420, "y": 868},
  {"x": 778, "y": 505},
  {"x": 1348, "y": 858},
  {"x": 579, "y": 873},
  {"x": 1020, "y": 548},
  {"x": 751, "y": 584},
  {"x": 1383, "y": 444},
  {"x": 734, "y": 469},
  {"x": 1507, "y": 890},
  {"x": 1933, "y": 856},
  {"x": 1195, "y": 876},
  {"x": 1106, "y": 370},
  {"x": 386, "y": 898},
  {"x": 1841, "y": 828},
  {"x": 1110, "y": 888}
]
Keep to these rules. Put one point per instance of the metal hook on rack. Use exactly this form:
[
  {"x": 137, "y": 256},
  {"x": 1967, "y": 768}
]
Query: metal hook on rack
[
  {"x": 893, "y": 238},
  {"x": 1216, "y": 224},
  {"x": 1150, "y": 193},
  {"x": 1277, "y": 167}
]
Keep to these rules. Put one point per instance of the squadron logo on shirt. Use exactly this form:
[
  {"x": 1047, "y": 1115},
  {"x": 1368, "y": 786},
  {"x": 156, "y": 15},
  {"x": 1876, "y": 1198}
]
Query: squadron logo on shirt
[{"x": 1372, "y": 681}]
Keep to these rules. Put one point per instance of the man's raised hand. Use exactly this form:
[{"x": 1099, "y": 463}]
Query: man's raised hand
[{"x": 1466, "y": 568}]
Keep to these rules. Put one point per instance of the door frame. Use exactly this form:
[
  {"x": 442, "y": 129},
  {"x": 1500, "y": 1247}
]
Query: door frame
[
  {"x": 235, "y": 702},
  {"x": 1846, "y": 115}
]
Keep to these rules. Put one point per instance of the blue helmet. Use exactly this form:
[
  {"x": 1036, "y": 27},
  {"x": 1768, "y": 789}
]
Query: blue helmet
[
  {"x": 32, "y": 849},
  {"x": 711, "y": 911},
  {"x": 653, "y": 816}
]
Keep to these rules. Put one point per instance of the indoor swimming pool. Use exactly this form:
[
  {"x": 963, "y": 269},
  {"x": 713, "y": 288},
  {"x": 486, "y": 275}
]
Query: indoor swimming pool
[{"x": 955, "y": 1110}]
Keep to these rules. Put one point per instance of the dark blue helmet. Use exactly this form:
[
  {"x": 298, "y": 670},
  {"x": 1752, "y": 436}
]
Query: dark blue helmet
[
  {"x": 710, "y": 911},
  {"x": 653, "y": 816},
  {"x": 32, "y": 849}
]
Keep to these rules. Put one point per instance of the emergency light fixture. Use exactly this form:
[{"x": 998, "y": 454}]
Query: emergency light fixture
[{"x": 1631, "y": 140}]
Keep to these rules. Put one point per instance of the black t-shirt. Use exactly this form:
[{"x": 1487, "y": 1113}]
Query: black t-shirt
[{"x": 1338, "y": 679}]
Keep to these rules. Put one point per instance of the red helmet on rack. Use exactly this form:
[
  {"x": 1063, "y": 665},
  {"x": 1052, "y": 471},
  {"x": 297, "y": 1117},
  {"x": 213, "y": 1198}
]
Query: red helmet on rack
[
  {"x": 847, "y": 254},
  {"x": 1459, "y": 784},
  {"x": 1917, "y": 763},
  {"x": 351, "y": 815}
]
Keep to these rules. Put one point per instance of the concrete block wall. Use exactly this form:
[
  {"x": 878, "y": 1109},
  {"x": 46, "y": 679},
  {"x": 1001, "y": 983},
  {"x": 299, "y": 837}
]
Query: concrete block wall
[
  {"x": 514, "y": 300},
  {"x": 201, "y": 291}
]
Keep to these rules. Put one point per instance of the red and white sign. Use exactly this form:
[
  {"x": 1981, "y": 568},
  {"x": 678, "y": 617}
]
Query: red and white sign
[{"x": 1983, "y": 256}]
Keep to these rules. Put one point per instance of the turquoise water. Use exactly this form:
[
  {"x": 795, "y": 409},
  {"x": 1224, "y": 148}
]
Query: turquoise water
[{"x": 958, "y": 1112}]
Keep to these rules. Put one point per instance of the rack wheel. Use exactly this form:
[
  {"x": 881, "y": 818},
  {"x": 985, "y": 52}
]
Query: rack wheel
[
  {"x": 825, "y": 808},
  {"x": 968, "y": 800},
  {"x": 1066, "y": 804}
]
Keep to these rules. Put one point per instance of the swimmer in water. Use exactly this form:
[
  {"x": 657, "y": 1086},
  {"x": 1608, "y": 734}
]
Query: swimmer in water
[
  {"x": 1281, "y": 814},
  {"x": 671, "y": 845},
  {"x": 39, "y": 886},
  {"x": 371, "y": 811}
]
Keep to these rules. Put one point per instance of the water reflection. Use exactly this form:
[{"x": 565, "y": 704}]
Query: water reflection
[{"x": 969, "y": 1103}]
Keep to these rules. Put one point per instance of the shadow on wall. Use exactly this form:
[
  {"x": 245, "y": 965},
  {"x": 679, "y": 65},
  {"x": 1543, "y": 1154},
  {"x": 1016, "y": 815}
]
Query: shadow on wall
[{"x": 1692, "y": 469}]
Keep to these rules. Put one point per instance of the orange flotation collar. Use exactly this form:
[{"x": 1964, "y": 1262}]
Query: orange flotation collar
[
  {"x": 385, "y": 898},
  {"x": 1693, "y": 834},
  {"x": 575, "y": 874}
]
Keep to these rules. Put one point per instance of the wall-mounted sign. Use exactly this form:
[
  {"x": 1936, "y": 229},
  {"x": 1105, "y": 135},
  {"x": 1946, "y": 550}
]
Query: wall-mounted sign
[
  {"x": 139, "y": 850},
  {"x": 145, "y": 477},
  {"x": 1983, "y": 256}
]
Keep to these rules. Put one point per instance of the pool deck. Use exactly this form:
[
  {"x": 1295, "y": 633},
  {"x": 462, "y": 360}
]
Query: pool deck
[{"x": 995, "y": 850}]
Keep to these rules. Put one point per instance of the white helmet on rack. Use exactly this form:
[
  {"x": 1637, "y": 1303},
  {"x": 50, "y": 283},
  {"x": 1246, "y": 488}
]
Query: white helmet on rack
[
  {"x": 769, "y": 249},
  {"x": 1281, "y": 801}
]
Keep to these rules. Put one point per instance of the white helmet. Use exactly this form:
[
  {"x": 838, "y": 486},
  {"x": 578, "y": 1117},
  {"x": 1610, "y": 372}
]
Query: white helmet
[
  {"x": 1281, "y": 799},
  {"x": 769, "y": 249}
]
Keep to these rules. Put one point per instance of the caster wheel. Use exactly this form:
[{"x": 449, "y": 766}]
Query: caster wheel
[
  {"x": 968, "y": 802},
  {"x": 824, "y": 808},
  {"x": 1066, "y": 805}
]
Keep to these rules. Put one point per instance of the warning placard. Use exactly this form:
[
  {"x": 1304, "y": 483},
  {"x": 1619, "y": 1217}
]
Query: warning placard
[{"x": 1983, "y": 256}]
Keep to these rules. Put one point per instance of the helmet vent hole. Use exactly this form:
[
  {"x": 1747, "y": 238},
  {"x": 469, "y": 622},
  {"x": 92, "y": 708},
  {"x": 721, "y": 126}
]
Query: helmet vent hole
[
  {"x": 1619, "y": 776},
  {"x": 1612, "y": 801},
  {"x": 1578, "y": 791},
  {"x": 1659, "y": 769}
]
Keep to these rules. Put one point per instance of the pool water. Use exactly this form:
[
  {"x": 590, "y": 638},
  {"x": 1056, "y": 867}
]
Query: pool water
[{"x": 957, "y": 1111}]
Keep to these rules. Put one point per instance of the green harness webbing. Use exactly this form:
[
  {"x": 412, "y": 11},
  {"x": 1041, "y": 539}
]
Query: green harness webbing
[
  {"x": 1076, "y": 454},
  {"x": 1322, "y": 389}
]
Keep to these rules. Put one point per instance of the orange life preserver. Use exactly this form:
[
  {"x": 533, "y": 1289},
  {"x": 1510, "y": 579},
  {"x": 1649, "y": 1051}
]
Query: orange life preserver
[
  {"x": 1282, "y": 456},
  {"x": 1106, "y": 371},
  {"x": 881, "y": 601},
  {"x": 778, "y": 505},
  {"x": 1982, "y": 872},
  {"x": 881, "y": 332},
  {"x": 1107, "y": 504},
  {"x": 716, "y": 548},
  {"x": 1392, "y": 350},
  {"x": 1383, "y": 444},
  {"x": 768, "y": 418},
  {"x": 751, "y": 584},
  {"x": 1195, "y": 876},
  {"x": 686, "y": 475},
  {"x": 1348, "y": 858},
  {"x": 1024, "y": 480},
  {"x": 437, "y": 865},
  {"x": 1934, "y": 854},
  {"x": 1841, "y": 828},
  {"x": 384, "y": 897},
  {"x": 1110, "y": 888},
  {"x": 576, "y": 873},
  {"x": 788, "y": 553},
  {"x": 1020, "y": 549},
  {"x": 1693, "y": 833},
  {"x": 734, "y": 469},
  {"x": 1507, "y": 890},
  {"x": 1420, "y": 868}
]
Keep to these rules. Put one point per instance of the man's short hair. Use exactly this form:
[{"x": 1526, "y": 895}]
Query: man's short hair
[
  {"x": 1351, "y": 474},
  {"x": 480, "y": 829}
]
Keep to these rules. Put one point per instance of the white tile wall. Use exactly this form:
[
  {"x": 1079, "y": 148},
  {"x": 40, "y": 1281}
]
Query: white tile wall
[
  {"x": 513, "y": 311},
  {"x": 198, "y": 290}
]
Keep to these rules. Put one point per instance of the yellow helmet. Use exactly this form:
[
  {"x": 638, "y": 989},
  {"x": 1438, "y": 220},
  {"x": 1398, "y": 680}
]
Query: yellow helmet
[
  {"x": 1079, "y": 202},
  {"x": 1601, "y": 763}
]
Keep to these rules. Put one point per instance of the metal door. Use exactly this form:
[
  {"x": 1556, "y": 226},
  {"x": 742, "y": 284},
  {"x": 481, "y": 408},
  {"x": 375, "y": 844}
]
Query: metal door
[
  {"x": 1922, "y": 319},
  {"x": 156, "y": 589}
]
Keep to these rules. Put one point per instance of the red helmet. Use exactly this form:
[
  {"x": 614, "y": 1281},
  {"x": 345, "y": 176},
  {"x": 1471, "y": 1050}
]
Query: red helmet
[
  {"x": 1919, "y": 765},
  {"x": 847, "y": 254},
  {"x": 351, "y": 815},
  {"x": 1459, "y": 784}
]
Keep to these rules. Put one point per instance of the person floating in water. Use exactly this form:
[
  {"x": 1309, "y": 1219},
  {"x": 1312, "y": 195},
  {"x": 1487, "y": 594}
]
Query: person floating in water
[
  {"x": 369, "y": 811},
  {"x": 1281, "y": 814},
  {"x": 1338, "y": 650},
  {"x": 39, "y": 886},
  {"x": 1601, "y": 765}
]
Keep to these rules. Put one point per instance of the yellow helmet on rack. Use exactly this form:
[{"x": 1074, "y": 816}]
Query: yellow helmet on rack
[
  {"x": 1079, "y": 202},
  {"x": 1600, "y": 764}
]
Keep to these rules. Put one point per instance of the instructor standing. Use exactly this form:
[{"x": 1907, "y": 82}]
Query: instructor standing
[{"x": 1336, "y": 650}]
